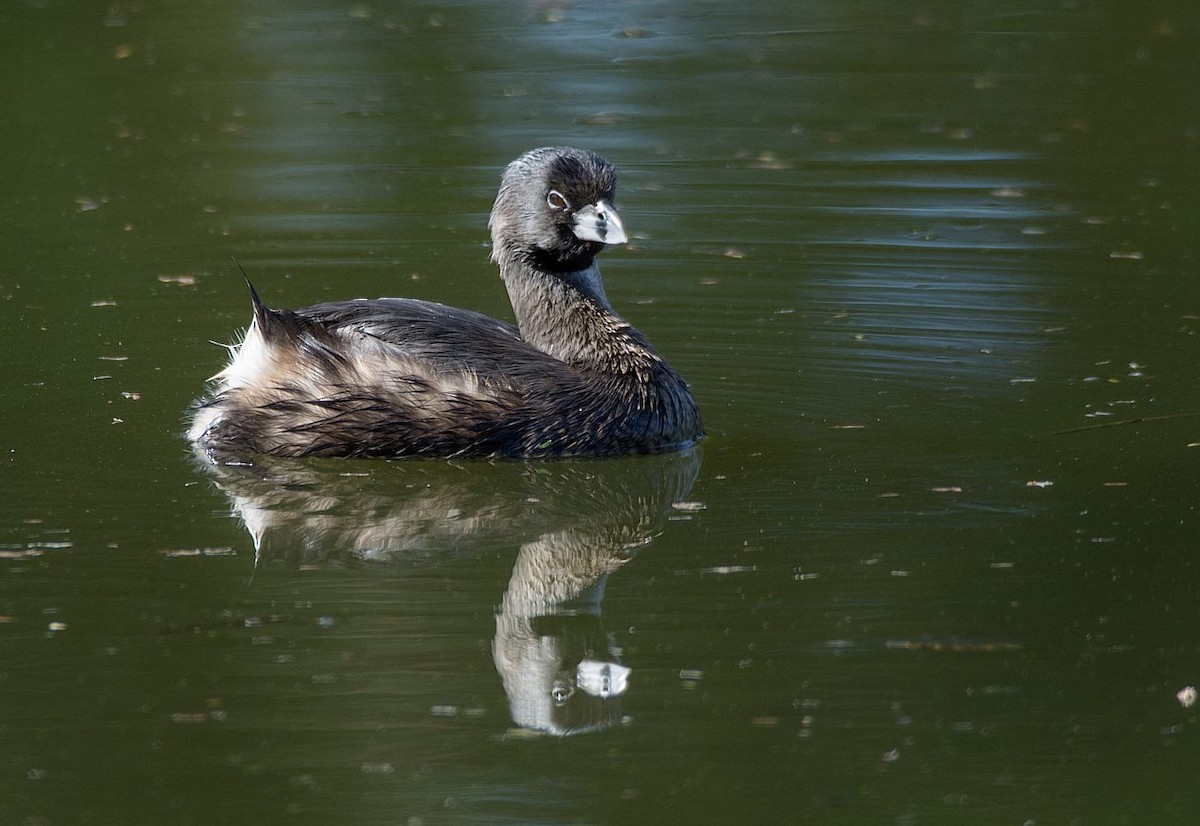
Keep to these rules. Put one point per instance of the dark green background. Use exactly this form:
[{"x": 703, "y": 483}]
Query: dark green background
[{"x": 895, "y": 247}]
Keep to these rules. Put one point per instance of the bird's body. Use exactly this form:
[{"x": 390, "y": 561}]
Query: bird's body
[{"x": 402, "y": 377}]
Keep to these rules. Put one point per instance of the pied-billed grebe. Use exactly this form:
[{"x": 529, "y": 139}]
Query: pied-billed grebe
[{"x": 402, "y": 377}]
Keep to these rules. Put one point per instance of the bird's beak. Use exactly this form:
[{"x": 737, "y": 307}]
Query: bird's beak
[{"x": 599, "y": 222}]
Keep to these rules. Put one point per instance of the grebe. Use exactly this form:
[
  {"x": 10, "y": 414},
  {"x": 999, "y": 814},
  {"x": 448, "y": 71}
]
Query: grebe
[{"x": 403, "y": 377}]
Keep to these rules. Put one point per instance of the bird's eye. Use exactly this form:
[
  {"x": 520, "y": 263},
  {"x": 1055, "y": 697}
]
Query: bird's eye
[{"x": 556, "y": 200}]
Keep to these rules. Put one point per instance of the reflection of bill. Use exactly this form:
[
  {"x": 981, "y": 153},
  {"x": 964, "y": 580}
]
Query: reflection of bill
[
  {"x": 575, "y": 523},
  {"x": 602, "y": 680}
]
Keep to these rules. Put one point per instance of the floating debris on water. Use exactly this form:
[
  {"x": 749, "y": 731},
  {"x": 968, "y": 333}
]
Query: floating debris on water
[
  {"x": 183, "y": 279},
  {"x": 19, "y": 555},
  {"x": 954, "y": 647},
  {"x": 183, "y": 552},
  {"x": 728, "y": 569}
]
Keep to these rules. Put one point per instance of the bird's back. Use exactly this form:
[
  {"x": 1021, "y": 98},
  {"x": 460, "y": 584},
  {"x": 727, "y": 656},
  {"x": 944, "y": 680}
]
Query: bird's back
[{"x": 401, "y": 377}]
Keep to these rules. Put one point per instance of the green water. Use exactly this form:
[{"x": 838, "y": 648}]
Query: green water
[{"x": 896, "y": 249}]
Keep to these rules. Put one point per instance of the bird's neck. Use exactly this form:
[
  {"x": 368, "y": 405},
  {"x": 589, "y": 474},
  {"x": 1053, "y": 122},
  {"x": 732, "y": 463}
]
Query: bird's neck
[{"x": 567, "y": 316}]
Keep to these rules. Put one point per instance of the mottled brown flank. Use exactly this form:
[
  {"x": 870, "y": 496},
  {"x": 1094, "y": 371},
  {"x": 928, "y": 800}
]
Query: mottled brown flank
[{"x": 398, "y": 377}]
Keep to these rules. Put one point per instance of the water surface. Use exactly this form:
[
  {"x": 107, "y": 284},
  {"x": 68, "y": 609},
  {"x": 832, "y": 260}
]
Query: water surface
[{"x": 896, "y": 250}]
